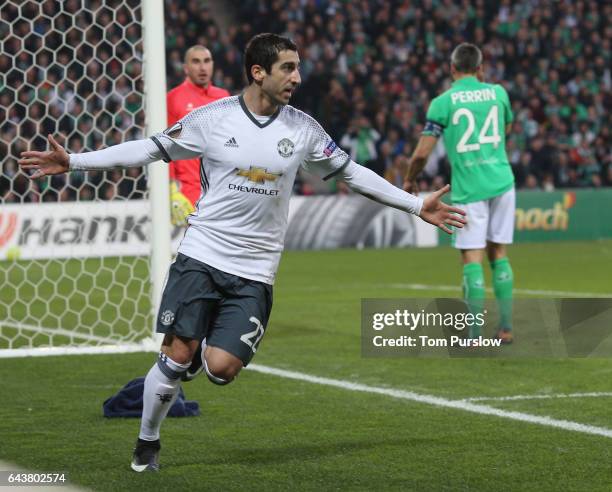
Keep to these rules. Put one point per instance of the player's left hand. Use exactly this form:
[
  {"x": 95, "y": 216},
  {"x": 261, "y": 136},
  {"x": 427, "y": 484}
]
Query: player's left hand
[{"x": 438, "y": 213}]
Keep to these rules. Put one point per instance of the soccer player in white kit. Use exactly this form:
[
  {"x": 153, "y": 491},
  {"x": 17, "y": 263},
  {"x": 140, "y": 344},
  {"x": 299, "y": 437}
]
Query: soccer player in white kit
[{"x": 220, "y": 286}]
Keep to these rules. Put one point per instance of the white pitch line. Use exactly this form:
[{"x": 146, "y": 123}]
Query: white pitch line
[
  {"x": 540, "y": 397},
  {"x": 58, "y": 331},
  {"x": 436, "y": 401},
  {"x": 454, "y": 288},
  {"x": 536, "y": 292}
]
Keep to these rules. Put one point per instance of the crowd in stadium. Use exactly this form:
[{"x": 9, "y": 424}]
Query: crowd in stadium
[
  {"x": 76, "y": 75},
  {"x": 369, "y": 69}
]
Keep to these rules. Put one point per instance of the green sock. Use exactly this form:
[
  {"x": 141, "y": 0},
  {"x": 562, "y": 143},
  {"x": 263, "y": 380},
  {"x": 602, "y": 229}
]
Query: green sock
[
  {"x": 474, "y": 291},
  {"x": 503, "y": 280}
]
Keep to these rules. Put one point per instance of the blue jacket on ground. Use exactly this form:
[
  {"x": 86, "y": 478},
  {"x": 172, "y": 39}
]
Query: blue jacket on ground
[{"x": 128, "y": 403}]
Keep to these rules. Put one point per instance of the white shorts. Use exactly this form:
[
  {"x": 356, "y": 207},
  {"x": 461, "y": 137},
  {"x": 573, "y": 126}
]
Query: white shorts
[{"x": 487, "y": 220}]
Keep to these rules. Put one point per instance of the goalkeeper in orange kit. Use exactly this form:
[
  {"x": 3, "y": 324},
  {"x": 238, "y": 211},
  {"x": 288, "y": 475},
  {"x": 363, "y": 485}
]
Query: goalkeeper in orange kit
[{"x": 195, "y": 91}]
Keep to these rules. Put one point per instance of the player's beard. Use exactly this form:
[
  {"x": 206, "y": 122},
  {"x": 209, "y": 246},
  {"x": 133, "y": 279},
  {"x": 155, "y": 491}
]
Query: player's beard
[
  {"x": 286, "y": 101},
  {"x": 203, "y": 81},
  {"x": 277, "y": 98},
  {"x": 281, "y": 97},
  {"x": 276, "y": 95}
]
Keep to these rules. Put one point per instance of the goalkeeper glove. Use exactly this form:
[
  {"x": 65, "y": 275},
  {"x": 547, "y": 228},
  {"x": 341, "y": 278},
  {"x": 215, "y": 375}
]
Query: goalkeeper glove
[{"x": 180, "y": 206}]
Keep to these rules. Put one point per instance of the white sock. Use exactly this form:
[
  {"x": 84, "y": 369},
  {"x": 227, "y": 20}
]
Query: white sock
[
  {"x": 161, "y": 388},
  {"x": 204, "y": 347}
]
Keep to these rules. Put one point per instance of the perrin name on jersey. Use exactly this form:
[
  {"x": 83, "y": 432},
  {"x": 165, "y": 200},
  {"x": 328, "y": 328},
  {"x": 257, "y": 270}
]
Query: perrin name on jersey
[{"x": 480, "y": 95}]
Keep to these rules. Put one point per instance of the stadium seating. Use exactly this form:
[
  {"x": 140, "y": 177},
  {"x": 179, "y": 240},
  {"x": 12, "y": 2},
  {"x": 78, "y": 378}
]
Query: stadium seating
[{"x": 369, "y": 62}]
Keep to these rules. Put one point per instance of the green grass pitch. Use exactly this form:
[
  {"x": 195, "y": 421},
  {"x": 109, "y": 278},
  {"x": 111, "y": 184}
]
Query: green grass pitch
[{"x": 265, "y": 432}]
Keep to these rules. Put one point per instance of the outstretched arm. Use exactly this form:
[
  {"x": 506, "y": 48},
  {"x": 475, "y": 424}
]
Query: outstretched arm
[
  {"x": 418, "y": 160},
  {"x": 430, "y": 209},
  {"x": 57, "y": 161},
  {"x": 327, "y": 160}
]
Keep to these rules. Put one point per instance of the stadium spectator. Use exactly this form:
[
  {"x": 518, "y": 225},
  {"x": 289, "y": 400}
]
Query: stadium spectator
[
  {"x": 360, "y": 142},
  {"x": 397, "y": 172},
  {"x": 531, "y": 182},
  {"x": 385, "y": 157}
]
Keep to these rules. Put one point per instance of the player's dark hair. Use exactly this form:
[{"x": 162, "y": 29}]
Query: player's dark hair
[
  {"x": 466, "y": 58},
  {"x": 263, "y": 50}
]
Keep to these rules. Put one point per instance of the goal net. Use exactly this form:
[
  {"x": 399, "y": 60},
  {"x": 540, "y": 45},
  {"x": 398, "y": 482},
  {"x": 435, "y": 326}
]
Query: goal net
[{"x": 75, "y": 249}]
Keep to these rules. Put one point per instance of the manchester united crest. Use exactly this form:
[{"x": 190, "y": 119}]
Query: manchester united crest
[
  {"x": 167, "y": 318},
  {"x": 285, "y": 147}
]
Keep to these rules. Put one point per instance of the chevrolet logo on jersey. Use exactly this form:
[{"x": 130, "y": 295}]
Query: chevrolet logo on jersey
[{"x": 258, "y": 174}]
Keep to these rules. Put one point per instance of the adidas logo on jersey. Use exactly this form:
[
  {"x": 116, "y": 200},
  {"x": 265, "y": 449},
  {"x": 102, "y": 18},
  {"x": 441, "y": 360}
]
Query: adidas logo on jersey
[{"x": 232, "y": 143}]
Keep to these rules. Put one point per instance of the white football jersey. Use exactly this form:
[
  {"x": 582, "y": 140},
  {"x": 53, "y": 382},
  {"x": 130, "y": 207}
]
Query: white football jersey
[{"x": 247, "y": 173}]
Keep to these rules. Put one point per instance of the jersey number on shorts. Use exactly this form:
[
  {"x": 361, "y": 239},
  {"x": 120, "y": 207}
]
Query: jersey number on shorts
[
  {"x": 491, "y": 123},
  {"x": 252, "y": 338}
]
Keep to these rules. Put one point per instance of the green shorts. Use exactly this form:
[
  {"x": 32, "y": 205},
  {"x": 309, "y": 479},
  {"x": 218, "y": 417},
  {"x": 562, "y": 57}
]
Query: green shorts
[{"x": 200, "y": 301}]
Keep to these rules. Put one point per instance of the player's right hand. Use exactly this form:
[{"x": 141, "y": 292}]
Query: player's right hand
[
  {"x": 180, "y": 206},
  {"x": 50, "y": 162}
]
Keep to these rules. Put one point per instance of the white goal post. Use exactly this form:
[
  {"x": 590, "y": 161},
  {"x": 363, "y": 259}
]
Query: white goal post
[
  {"x": 155, "y": 110},
  {"x": 83, "y": 257}
]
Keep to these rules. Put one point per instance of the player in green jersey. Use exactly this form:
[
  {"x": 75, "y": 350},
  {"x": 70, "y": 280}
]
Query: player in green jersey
[{"x": 473, "y": 118}]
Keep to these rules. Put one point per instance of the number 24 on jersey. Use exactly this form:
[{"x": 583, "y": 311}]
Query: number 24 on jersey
[{"x": 489, "y": 134}]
